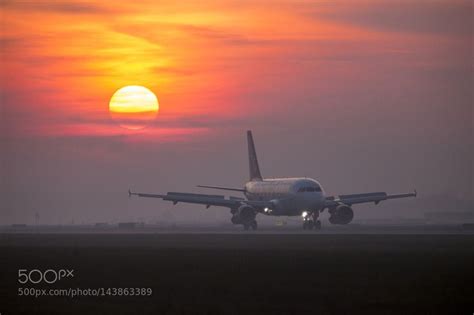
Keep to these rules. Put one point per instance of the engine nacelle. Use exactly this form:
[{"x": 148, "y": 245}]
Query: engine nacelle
[
  {"x": 343, "y": 214},
  {"x": 243, "y": 214}
]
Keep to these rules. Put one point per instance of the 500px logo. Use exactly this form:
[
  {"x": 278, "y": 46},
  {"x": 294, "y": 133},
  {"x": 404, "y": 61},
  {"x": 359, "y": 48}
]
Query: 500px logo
[{"x": 48, "y": 276}]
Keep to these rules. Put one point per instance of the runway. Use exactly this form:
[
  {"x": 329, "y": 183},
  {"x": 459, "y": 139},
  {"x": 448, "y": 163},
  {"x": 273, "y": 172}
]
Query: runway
[
  {"x": 236, "y": 272},
  {"x": 393, "y": 228}
]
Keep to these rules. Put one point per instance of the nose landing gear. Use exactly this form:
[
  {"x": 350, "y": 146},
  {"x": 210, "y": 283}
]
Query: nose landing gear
[
  {"x": 311, "y": 222},
  {"x": 308, "y": 224},
  {"x": 251, "y": 225}
]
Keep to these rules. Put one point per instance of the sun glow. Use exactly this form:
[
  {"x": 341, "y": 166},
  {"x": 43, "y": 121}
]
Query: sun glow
[{"x": 133, "y": 107}]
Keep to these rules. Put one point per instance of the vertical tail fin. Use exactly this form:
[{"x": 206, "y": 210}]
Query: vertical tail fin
[{"x": 253, "y": 163}]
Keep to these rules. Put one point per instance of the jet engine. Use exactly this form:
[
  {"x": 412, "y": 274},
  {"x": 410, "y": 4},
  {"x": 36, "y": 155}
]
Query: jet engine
[
  {"x": 243, "y": 214},
  {"x": 343, "y": 214}
]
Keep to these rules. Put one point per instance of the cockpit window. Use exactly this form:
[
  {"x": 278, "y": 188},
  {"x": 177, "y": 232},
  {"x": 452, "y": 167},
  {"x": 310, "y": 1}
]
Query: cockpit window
[{"x": 310, "y": 189}]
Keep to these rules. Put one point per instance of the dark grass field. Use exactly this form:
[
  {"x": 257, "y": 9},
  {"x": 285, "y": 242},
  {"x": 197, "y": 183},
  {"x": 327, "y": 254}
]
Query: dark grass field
[{"x": 245, "y": 273}]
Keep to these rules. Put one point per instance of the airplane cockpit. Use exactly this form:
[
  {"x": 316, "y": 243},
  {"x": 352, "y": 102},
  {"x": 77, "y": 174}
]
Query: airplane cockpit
[
  {"x": 309, "y": 189},
  {"x": 307, "y": 185}
]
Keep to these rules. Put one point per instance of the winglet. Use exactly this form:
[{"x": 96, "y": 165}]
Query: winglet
[
  {"x": 129, "y": 193},
  {"x": 415, "y": 192}
]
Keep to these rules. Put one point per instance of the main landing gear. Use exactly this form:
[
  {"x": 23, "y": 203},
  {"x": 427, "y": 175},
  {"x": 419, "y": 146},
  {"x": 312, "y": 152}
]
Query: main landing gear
[
  {"x": 251, "y": 225},
  {"x": 311, "y": 222}
]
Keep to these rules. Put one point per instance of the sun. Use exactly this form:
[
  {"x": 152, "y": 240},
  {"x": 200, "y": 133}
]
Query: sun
[{"x": 133, "y": 107}]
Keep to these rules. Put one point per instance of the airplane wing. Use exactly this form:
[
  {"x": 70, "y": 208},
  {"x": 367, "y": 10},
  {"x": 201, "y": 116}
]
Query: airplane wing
[
  {"x": 207, "y": 200},
  {"x": 374, "y": 197}
]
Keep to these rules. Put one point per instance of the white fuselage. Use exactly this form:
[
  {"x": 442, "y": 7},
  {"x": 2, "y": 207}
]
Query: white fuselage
[{"x": 290, "y": 196}]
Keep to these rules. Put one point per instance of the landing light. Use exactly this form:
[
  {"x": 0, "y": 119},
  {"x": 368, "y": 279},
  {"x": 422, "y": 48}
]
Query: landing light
[
  {"x": 304, "y": 214},
  {"x": 266, "y": 209}
]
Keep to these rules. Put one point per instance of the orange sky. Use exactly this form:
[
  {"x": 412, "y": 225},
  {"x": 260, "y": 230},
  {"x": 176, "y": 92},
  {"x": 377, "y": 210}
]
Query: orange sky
[{"x": 62, "y": 61}]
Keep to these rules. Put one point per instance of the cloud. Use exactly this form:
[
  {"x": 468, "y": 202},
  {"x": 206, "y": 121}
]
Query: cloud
[
  {"x": 436, "y": 17},
  {"x": 7, "y": 41},
  {"x": 56, "y": 7},
  {"x": 172, "y": 70},
  {"x": 222, "y": 36},
  {"x": 167, "y": 33}
]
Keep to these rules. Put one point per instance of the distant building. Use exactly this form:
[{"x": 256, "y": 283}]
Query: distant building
[
  {"x": 130, "y": 225},
  {"x": 450, "y": 217},
  {"x": 21, "y": 225}
]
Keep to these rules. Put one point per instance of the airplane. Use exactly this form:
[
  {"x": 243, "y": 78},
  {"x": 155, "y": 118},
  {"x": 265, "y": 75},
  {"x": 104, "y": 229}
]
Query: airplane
[{"x": 299, "y": 196}]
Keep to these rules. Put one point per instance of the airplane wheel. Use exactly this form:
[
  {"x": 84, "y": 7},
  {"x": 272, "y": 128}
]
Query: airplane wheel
[
  {"x": 310, "y": 224},
  {"x": 317, "y": 225},
  {"x": 254, "y": 225},
  {"x": 305, "y": 225}
]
